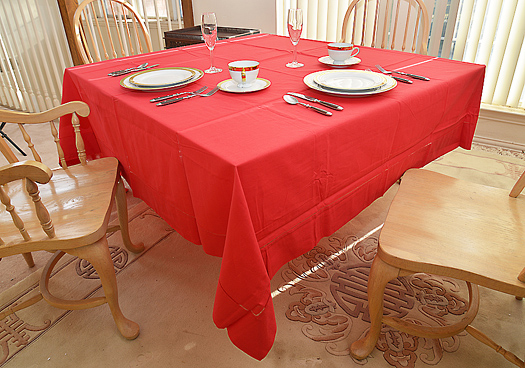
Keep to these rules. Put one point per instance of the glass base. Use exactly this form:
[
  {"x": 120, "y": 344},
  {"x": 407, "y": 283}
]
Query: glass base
[
  {"x": 213, "y": 70},
  {"x": 294, "y": 64}
]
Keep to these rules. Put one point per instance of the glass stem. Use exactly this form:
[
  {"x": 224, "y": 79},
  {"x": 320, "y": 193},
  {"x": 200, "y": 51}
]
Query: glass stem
[
  {"x": 295, "y": 53},
  {"x": 211, "y": 57}
]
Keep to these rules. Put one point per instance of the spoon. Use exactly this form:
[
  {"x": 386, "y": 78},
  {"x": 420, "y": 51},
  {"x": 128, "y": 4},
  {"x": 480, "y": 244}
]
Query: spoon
[{"x": 293, "y": 101}]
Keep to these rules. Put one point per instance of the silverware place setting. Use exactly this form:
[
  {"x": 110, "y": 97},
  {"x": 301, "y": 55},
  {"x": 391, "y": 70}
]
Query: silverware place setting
[
  {"x": 191, "y": 95},
  {"x": 167, "y": 97},
  {"x": 312, "y": 99},
  {"x": 415, "y": 76},
  {"x": 139, "y": 68},
  {"x": 294, "y": 101}
]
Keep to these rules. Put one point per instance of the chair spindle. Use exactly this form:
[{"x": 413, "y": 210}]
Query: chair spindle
[
  {"x": 30, "y": 143},
  {"x": 6, "y": 201},
  {"x": 78, "y": 139},
  {"x": 41, "y": 211}
]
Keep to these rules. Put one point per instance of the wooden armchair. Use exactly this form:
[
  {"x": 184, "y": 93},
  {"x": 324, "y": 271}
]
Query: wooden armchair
[
  {"x": 68, "y": 212},
  {"x": 445, "y": 226},
  {"x": 393, "y": 24}
]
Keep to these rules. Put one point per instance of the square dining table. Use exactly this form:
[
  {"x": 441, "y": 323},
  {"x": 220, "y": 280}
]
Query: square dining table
[{"x": 255, "y": 180}]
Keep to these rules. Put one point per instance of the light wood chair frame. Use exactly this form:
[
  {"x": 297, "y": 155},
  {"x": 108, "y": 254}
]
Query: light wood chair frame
[
  {"x": 93, "y": 247},
  {"x": 387, "y": 267},
  {"x": 382, "y": 41},
  {"x": 122, "y": 13}
]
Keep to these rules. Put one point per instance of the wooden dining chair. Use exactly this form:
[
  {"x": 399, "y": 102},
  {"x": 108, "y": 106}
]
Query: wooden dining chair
[
  {"x": 395, "y": 24},
  {"x": 67, "y": 213},
  {"x": 108, "y": 29},
  {"x": 440, "y": 225}
]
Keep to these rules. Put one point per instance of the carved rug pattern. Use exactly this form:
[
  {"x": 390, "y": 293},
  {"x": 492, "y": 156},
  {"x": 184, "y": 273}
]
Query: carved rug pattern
[
  {"x": 19, "y": 330},
  {"x": 331, "y": 304}
]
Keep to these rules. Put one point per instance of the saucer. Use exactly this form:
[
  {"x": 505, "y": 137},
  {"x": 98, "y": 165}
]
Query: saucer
[
  {"x": 327, "y": 60},
  {"x": 230, "y": 85}
]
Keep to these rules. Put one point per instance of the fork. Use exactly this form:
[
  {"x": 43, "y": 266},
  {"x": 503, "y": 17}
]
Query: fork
[
  {"x": 402, "y": 73},
  {"x": 167, "y": 102}
]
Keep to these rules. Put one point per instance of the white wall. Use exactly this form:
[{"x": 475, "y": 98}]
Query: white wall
[{"x": 259, "y": 14}]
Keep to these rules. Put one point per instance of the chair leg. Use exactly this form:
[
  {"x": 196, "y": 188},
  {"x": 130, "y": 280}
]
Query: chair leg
[
  {"x": 122, "y": 211},
  {"x": 380, "y": 274},
  {"x": 29, "y": 259},
  {"x": 98, "y": 255}
]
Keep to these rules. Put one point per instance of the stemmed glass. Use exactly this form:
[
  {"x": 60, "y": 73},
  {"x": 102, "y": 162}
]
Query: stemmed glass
[
  {"x": 295, "y": 27},
  {"x": 209, "y": 32}
]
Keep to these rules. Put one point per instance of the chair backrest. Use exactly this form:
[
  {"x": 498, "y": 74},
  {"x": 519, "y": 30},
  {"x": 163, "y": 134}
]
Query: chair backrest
[
  {"x": 395, "y": 24},
  {"x": 22, "y": 118},
  {"x": 108, "y": 29}
]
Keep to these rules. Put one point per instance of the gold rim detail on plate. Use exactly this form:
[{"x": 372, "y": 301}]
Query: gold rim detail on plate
[
  {"x": 350, "y": 80},
  {"x": 309, "y": 81},
  {"x": 133, "y": 78},
  {"x": 125, "y": 83},
  {"x": 327, "y": 60},
  {"x": 223, "y": 86}
]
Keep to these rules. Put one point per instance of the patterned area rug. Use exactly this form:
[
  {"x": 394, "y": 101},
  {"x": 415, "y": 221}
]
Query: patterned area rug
[
  {"x": 330, "y": 303},
  {"x": 319, "y": 298},
  {"x": 24, "y": 328},
  {"x": 326, "y": 287}
]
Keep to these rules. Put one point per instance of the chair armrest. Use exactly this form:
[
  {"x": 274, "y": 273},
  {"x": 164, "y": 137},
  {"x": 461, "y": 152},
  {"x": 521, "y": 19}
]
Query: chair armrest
[{"x": 33, "y": 170}]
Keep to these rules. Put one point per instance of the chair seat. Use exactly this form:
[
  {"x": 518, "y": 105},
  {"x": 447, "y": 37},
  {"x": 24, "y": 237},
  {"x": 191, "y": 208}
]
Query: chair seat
[
  {"x": 78, "y": 199},
  {"x": 478, "y": 246}
]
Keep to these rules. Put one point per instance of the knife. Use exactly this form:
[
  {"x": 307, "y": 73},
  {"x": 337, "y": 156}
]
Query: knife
[
  {"x": 412, "y": 75},
  {"x": 312, "y": 99},
  {"x": 401, "y": 79},
  {"x": 169, "y": 102}
]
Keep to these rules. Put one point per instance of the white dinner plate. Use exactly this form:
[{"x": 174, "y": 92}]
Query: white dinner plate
[
  {"x": 230, "y": 85},
  {"x": 309, "y": 81},
  {"x": 349, "y": 80},
  {"x": 124, "y": 82},
  {"x": 162, "y": 77},
  {"x": 327, "y": 60}
]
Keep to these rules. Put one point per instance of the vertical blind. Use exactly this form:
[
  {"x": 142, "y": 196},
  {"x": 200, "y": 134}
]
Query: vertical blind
[
  {"x": 490, "y": 32},
  {"x": 32, "y": 56},
  {"x": 34, "y": 51}
]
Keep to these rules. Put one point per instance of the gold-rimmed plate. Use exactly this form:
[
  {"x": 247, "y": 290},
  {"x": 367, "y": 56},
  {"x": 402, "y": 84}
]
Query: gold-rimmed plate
[
  {"x": 126, "y": 83},
  {"x": 162, "y": 77},
  {"x": 350, "y": 80},
  {"x": 310, "y": 82}
]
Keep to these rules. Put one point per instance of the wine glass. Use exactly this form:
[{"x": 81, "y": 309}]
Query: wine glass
[
  {"x": 209, "y": 32},
  {"x": 295, "y": 27}
]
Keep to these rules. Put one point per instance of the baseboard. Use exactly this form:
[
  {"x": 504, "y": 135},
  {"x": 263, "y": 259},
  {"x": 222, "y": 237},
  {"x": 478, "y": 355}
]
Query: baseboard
[{"x": 501, "y": 127}]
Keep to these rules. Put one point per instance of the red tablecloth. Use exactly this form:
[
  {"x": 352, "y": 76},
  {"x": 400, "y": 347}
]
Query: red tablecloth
[{"x": 256, "y": 181}]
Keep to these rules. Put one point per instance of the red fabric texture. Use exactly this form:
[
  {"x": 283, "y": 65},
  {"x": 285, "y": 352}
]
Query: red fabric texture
[{"x": 256, "y": 181}]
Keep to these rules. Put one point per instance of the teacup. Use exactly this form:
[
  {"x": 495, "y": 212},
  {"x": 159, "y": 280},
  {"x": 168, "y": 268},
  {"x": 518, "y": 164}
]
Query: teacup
[
  {"x": 244, "y": 72},
  {"x": 340, "y": 52}
]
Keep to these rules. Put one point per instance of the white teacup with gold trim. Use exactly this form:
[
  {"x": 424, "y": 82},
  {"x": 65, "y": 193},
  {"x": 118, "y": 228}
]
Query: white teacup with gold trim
[
  {"x": 244, "y": 72},
  {"x": 340, "y": 52}
]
